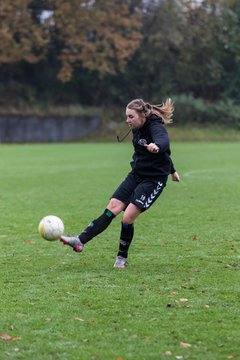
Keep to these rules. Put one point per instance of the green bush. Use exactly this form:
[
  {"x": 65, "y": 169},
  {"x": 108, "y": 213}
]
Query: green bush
[{"x": 189, "y": 110}]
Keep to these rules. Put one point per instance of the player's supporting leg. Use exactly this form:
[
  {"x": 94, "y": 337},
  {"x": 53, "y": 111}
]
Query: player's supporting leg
[{"x": 126, "y": 235}]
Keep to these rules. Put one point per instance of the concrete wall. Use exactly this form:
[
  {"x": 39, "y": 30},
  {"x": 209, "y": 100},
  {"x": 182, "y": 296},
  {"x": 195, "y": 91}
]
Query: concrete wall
[{"x": 33, "y": 129}]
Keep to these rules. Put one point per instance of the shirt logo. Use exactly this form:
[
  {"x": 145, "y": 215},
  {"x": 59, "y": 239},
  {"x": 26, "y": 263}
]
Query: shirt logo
[{"x": 142, "y": 142}]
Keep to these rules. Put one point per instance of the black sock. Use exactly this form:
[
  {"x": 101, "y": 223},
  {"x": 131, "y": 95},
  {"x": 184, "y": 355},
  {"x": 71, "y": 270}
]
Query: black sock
[
  {"x": 127, "y": 232},
  {"x": 97, "y": 226}
]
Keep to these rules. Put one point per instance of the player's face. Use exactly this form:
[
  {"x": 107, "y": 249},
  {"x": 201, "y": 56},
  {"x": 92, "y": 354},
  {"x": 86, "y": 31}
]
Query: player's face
[{"x": 135, "y": 120}]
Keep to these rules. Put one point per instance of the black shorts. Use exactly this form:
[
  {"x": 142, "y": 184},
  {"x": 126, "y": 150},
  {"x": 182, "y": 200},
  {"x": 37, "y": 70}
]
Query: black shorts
[{"x": 139, "y": 191}]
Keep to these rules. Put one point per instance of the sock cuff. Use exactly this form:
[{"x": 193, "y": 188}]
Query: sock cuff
[
  {"x": 127, "y": 226},
  {"x": 109, "y": 213}
]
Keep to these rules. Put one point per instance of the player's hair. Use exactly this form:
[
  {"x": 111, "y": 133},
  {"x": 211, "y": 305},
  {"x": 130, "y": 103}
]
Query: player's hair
[{"x": 164, "y": 110}]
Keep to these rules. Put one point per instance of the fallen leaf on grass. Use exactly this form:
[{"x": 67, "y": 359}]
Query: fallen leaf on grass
[
  {"x": 231, "y": 356},
  {"x": 78, "y": 319},
  {"x": 194, "y": 238},
  {"x": 148, "y": 338},
  {"x": 183, "y": 300},
  {"x": 29, "y": 242},
  {"x": 11, "y": 327},
  {"x": 85, "y": 340},
  {"x": 7, "y": 337},
  {"x": 174, "y": 293},
  {"x": 168, "y": 353},
  {"x": 185, "y": 345}
]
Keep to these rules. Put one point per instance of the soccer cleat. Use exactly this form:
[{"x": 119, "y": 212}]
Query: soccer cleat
[
  {"x": 120, "y": 262},
  {"x": 72, "y": 241}
]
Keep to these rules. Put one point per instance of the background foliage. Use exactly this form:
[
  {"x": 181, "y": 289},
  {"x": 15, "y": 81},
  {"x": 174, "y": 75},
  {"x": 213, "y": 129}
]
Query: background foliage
[{"x": 107, "y": 52}]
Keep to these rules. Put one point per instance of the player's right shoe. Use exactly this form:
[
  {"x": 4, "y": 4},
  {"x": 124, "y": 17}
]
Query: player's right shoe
[
  {"x": 72, "y": 241},
  {"x": 120, "y": 262}
]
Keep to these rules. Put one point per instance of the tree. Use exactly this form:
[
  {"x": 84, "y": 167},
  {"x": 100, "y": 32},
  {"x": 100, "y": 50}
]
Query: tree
[
  {"x": 188, "y": 47},
  {"x": 101, "y": 35},
  {"x": 151, "y": 73},
  {"x": 21, "y": 38}
]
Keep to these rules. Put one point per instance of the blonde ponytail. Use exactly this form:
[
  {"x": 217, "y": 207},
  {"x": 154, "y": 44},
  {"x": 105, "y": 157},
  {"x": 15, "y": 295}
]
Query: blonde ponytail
[{"x": 164, "y": 110}]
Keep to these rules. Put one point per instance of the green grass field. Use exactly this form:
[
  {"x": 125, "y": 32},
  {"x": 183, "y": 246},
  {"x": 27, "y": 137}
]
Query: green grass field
[{"x": 178, "y": 298}]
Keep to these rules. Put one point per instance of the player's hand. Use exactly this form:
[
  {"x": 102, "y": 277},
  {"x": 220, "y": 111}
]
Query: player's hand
[
  {"x": 152, "y": 148},
  {"x": 175, "y": 177}
]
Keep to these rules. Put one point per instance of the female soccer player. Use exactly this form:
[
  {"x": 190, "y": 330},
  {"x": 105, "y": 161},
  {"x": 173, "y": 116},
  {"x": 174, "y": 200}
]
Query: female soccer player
[{"x": 151, "y": 165}]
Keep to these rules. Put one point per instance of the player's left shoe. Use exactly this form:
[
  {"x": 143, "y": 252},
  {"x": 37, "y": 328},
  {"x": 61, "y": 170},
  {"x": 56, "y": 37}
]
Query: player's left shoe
[
  {"x": 72, "y": 241},
  {"x": 120, "y": 262}
]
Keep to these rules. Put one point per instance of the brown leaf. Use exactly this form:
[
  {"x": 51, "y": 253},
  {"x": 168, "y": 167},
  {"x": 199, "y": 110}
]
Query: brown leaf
[
  {"x": 16, "y": 338},
  {"x": 29, "y": 242},
  {"x": 11, "y": 327},
  {"x": 174, "y": 293},
  {"x": 194, "y": 238},
  {"x": 85, "y": 340},
  {"x": 185, "y": 345}
]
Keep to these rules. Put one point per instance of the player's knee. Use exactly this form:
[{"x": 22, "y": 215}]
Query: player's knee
[
  {"x": 128, "y": 219},
  {"x": 130, "y": 214},
  {"x": 116, "y": 206}
]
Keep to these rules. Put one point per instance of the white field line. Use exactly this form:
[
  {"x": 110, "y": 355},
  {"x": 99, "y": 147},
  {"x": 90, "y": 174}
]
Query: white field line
[{"x": 222, "y": 171}]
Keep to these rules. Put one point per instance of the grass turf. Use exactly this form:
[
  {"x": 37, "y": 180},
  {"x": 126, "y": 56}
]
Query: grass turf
[{"x": 179, "y": 296}]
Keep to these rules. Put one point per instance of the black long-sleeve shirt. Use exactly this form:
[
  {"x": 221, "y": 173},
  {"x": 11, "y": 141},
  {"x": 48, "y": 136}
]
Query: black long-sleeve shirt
[{"x": 148, "y": 164}]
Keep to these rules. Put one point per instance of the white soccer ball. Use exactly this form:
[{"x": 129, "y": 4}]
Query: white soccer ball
[{"x": 51, "y": 227}]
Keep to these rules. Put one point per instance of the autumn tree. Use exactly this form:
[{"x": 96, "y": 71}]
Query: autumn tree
[
  {"x": 21, "y": 38},
  {"x": 101, "y": 35}
]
